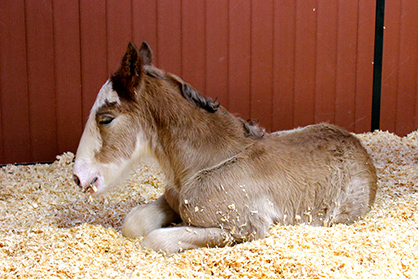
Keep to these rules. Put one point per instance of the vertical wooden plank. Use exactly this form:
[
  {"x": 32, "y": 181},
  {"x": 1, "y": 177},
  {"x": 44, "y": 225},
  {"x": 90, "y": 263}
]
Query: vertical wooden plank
[
  {"x": 346, "y": 64},
  {"x": 217, "y": 50},
  {"x": 1, "y": 128},
  {"x": 390, "y": 66},
  {"x": 194, "y": 43},
  {"x": 41, "y": 77},
  {"x": 326, "y": 61},
  {"x": 119, "y": 31},
  {"x": 364, "y": 71},
  {"x": 239, "y": 57},
  {"x": 262, "y": 62},
  {"x": 408, "y": 61},
  {"x": 284, "y": 64},
  {"x": 93, "y": 51},
  {"x": 14, "y": 100},
  {"x": 416, "y": 101},
  {"x": 416, "y": 104},
  {"x": 305, "y": 62},
  {"x": 2, "y": 159},
  {"x": 144, "y": 21},
  {"x": 68, "y": 75},
  {"x": 169, "y": 36}
]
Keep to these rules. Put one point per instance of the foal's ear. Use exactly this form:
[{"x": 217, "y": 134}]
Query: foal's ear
[
  {"x": 127, "y": 78},
  {"x": 131, "y": 66},
  {"x": 146, "y": 53}
]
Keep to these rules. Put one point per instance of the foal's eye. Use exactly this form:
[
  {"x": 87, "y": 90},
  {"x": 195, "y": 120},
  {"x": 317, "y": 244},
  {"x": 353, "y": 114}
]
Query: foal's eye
[{"x": 105, "y": 119}]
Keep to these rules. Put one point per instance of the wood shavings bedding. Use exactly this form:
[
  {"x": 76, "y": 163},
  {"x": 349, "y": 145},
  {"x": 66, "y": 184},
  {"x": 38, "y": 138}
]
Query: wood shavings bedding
[{"x": 49, "y": 229}]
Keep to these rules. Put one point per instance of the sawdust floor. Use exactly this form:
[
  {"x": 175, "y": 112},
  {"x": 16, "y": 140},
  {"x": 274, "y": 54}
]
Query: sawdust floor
[{"x": 49, "y": 229}]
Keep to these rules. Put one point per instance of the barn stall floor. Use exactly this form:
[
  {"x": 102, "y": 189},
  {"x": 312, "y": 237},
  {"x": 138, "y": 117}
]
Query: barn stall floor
[{"x": 49, "y": 229}]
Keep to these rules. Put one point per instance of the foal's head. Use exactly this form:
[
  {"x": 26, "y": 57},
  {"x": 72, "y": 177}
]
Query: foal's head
[{"x": 117, "y": 133}]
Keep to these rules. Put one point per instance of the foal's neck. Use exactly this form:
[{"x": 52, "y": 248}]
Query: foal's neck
[{"x": 199, "y": 140}]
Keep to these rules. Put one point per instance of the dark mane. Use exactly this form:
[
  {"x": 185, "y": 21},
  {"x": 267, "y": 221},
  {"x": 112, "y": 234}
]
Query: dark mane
[
  {"x": 251, "y": 128},
  {"x": 193, "y": 96},
  {"x": 187, "y": 91}
]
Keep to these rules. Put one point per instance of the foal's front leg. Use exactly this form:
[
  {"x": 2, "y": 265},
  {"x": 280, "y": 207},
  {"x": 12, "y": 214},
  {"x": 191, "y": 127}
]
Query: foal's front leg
[
  {"x": 144, "y": 218},
  {"x": 178, "y": 239}
]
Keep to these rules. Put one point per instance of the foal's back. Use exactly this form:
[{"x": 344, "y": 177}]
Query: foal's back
[{"x": 320, "y": 175}]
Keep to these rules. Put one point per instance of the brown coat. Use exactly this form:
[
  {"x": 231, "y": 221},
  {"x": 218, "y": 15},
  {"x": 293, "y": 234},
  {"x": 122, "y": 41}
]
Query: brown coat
[{"x": 227, "y": 181}]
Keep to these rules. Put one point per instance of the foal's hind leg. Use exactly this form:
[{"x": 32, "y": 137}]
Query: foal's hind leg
[
  {"x": 178, "y": 239},
  {"x": 145, "y": 218}
]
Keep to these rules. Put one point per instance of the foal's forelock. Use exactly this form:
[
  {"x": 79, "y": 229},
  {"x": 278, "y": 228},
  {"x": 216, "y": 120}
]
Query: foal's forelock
[{"x": 106, "y": 95}]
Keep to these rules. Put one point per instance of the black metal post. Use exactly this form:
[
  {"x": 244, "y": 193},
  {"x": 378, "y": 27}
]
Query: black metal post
[{"x": 377, "y": 67}]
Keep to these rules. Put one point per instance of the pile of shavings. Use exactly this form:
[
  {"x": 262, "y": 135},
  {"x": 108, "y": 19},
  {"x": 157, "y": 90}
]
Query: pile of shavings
[{"x": 50, "y": 229}]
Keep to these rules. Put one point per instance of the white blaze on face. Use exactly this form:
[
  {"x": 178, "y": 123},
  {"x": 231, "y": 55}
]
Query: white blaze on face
[
  {"x": 86, "y": 167},
  {"x": 90, "y": 142}
]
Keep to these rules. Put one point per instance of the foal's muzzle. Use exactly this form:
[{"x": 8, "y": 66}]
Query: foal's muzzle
[{"x": 90, "y": 188}]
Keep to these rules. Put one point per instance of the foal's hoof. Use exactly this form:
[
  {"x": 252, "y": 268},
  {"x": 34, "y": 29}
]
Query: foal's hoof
[{"x": 166, "y": 241}]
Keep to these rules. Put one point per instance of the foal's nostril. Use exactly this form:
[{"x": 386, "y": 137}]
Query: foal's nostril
[
  {"x": 94, "y": 180},
  {"x": 76, "y": 180}
]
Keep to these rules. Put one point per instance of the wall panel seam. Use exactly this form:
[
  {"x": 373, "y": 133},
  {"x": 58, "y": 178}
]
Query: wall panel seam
[
  {"x": 80, "y": 64},
  {"x": 356, "y": 93},
  {"x": 27, "y": 83},
  {"x": 55, "y": 73}
]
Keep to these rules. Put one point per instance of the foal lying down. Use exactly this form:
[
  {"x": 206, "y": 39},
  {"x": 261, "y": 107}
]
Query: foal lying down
[{"x": 226, "y": 180}]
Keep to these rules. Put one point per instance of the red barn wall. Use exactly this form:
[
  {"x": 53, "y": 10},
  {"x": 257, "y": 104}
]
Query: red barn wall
[
  {"x": 288, "y": 63},
  {"x": 399, "y": 112}
]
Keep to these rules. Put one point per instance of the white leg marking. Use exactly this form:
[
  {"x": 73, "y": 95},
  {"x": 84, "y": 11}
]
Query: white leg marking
[{"x": 178, "y": 239}]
